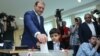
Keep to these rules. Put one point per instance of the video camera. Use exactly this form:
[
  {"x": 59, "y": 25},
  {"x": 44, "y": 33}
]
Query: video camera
[
  {"x": 58, "y": 14},
  {"x": 10, "y": 18},
  {"x": 2, "y": 15},
  {"x": 95, "y": 11}
]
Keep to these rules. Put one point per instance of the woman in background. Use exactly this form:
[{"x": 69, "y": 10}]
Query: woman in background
[{"x": 74, "y": 38}]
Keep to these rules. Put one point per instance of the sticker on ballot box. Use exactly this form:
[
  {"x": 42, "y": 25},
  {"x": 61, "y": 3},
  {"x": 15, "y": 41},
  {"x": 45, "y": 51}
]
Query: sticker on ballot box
[{"x": 29, "y": 54}]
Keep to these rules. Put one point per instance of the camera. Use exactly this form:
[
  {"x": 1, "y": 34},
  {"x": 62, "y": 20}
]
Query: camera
[
  {"x": 95, "y": 11},
  {"x": 58, "y": 14},
  {"x": 2, "y": 15},
  {"x": 10, "y": 18}
]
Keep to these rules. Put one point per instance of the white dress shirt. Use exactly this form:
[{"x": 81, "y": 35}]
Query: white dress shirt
[
  {"x": 38, "y": 17},
  {"x": 56, "y": 46},
  {"x": 92, "y": 28}
]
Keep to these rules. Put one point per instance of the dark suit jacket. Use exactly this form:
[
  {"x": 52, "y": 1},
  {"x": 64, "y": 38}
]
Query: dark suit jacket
[
  {"x": 99, "y": 30},
  {"x": 31, "y": 26},
  {"x": 51, "y": 45},
  {"x": 1, "y": 32},
  {"x": 85, "y": 32}
]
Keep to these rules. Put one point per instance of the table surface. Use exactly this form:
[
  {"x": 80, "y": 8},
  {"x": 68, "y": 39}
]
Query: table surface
[
  {"x": 11, "y": 51},
  {"x": 51, "y": 53},
  {"x": 35, "y": 52}
]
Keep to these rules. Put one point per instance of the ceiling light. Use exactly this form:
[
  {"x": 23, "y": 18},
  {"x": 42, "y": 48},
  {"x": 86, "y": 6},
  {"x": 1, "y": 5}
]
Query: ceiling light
[
  {"x": 21, "y": 18},
  {"x": 79, "y": 1}
]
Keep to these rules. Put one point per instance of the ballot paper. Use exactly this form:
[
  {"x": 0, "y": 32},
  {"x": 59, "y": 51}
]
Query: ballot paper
[
  {"x": 1, "y": 44},
  {"x": 44, "y": 48}
]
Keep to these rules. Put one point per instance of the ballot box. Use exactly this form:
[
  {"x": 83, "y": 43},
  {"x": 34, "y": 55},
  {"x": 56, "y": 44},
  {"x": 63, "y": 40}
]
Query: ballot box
[
  {"x": 36, "y": 52},
  {"x": 50, "y": 53}
]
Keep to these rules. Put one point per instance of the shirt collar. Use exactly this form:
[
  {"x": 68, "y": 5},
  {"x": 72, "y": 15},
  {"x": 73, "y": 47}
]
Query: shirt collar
[
  {"x": 36, "y": 13},
  {"x": 56, "y": 42},
  {"x": 90, "y": 23},
  {"x": 90, "y": 45}
]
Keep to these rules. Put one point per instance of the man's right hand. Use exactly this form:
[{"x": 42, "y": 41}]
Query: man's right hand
[{"x": 42, "y": 38}]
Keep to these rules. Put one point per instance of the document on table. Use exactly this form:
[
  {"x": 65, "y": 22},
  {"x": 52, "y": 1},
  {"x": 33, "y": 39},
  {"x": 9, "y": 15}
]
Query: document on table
[{"x": 44, "y": 48}]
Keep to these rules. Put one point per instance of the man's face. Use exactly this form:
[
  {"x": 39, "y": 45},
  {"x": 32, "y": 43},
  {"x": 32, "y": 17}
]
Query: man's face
[
  {"x": 88, "y": 18},
  {"x": 55, "y": 37},
  {"x": 39, "y": 8},
  {"x": 93, "y": 40}
]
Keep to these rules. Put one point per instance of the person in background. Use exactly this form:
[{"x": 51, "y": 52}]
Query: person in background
[
  {"x": 55, "y": 44},
  {"x": 89, "y": 48},
  {"x": 3, "y": 17},
  {"x": 74, "y": 38},
  {"x": 11, "y": 26},
  {"x": 87, "y": 29},
  {"x": 34, "y": 26},
  {"x": 65, "y": 33},
  {"x": 7, "y": 28}
]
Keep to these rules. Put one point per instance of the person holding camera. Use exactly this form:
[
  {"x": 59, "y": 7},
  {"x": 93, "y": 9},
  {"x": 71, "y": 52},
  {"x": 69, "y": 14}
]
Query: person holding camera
[
  {"x": 97, "y": 12},
  {"x": 3, "y": 18},
  {"x": 8, "y": 35},
  {"x": 10, "y": 28},
  {"x": 89, "y": 48}
]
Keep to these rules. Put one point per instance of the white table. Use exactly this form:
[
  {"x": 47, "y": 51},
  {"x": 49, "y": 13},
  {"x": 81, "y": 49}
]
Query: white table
[
  {"x": 36, "y": 52},
  {"x": 51, "y": 53}
]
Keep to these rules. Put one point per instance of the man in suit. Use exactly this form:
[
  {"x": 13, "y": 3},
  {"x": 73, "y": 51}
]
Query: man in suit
[
  {"x": 34, "y": 26},
  {"x": 87, "y": 29}
]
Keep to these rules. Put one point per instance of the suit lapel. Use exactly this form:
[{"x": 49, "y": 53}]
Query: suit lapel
[
  {"x": 88, "y": 27},
  {"x": 41, "y": 20},
  {"x": 41, "y": 23},
  {"x": 52, "y": 45},
  {"x": 95, "y": 26},
  {"x": 36, "y": 18}
]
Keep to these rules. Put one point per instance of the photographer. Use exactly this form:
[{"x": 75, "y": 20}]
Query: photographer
[
  {"x": 3, "y": 18},
  {"x": 97, "y": 12},
  {"x": 10, "y": 28}
]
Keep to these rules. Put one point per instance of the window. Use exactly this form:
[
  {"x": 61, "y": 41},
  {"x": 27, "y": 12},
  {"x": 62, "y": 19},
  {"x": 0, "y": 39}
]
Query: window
[
  {"x": 85, "y": 11},
  {"x": 48, "y": 26}
]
